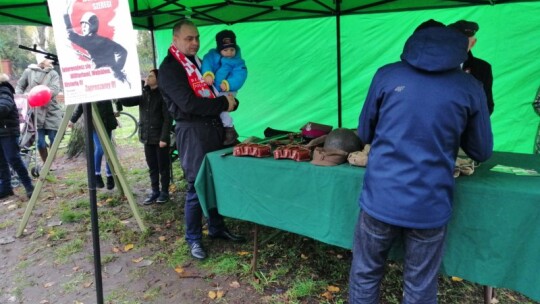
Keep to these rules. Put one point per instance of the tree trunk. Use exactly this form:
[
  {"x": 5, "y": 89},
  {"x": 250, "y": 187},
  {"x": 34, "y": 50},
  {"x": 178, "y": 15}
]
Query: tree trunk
[{"x": 76, "y": 141}]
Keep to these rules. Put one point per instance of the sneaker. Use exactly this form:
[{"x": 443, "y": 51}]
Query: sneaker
[
  {"x": 110, "y": 182},
  {"x": 163, "y": 197},
  {"x": 150, "y": 199},
  {"x": 99, "y": 181},
  {"x": 29, "y": 191},
  {"x": 197, "y": 251}
]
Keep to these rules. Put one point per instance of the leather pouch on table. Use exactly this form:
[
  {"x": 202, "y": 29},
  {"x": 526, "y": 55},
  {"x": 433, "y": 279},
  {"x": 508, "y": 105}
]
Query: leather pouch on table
[
  {"x": 294, "y": 152},
  {"x": 313, "y": 130},
  {"x": 251, "y": 149}
]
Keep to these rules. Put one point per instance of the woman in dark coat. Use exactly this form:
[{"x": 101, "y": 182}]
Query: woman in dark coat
[
  {"x": 9, "y": 147},
  {"x": 154, "y": 132},
  {"x": 108, "y": 116}
]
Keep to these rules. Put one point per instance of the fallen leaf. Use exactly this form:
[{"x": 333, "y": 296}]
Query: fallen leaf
[
  {"x": 235, "y": 284},
  {"x": 332, "y": 288},
  {"x": 243, "y": 253},
  {"x": 88, "y": 284},
  {"x": 162, "y": 238},
  {"x": 128, "y": 247},
  {"x": 220, "y": 294},
  {"x": 108, "y": 201},
  {"x": 158, "y": 229},
  {"x": 11, "y": 207},
  {"x": 328, "y": 295},
  {"x": 494, "y": 301},
  {"x": 116, "y": 249},
  {"x": 76, "y": 268},
  {"x": 457, "y": 279},
  {"x": 339, "y": 256},
  {"x": 99, "y": 204},
  {"x": 179, "y": 269},
  {"x": 47, "y": 285},
  {"x": 44, "y": 302},
  {"x": 137, "y": 260},
  {"x": 303, "y": 256},
  {"x": 77, "y": 302},
  {"x": 212, "y": 294},
  {"x": 125, "y": 222}
]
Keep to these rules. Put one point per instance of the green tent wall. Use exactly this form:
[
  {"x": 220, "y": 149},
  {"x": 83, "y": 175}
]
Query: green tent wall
[{"x": 292, "y": 74}]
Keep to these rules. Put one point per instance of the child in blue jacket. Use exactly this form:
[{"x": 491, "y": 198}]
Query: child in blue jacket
[{"x": 224, "y": 68}]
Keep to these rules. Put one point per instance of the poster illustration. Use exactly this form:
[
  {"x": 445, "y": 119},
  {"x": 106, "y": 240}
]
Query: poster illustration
[{"x": 97, "y": 50}]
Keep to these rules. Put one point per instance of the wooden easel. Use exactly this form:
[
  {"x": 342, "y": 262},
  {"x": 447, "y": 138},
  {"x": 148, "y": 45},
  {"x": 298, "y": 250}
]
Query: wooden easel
[{"x": 110, "y": 154}]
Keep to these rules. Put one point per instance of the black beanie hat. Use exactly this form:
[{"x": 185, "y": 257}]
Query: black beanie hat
[
  {"x": 468, "y": 28},
  {"x": 225, "y": 39}
]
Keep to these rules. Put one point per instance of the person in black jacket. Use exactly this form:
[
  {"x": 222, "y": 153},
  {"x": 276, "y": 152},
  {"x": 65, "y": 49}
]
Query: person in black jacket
[
  {"x": 9, "y": 147},
  {"x": 199, "y": 129},
  {"x": 477, "y": 67},
  {"x": 154, "y": 132},
  {"x": 107, "y": 114}
]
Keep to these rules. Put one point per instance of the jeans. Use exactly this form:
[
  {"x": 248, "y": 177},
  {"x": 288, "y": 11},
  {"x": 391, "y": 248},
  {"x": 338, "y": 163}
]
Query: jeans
[
  {"x": 9, "y": 156},
  {"x": 41, "y": 143},
  {"x": 98, "y": 155},
  {"x": 194, "y": 140},
  {"x": 423, "y": 255},
  {"x": 159, "y": 164}
]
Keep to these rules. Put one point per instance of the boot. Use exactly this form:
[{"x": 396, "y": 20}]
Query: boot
[
  {"x": 43, "y": 153},
  {"x": 110, "y": 182},
  {"x": 99, "y": 181}
]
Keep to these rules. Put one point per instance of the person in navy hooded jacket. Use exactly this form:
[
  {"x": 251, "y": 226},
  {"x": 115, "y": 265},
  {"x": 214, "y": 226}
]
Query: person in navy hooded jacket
[
  {"x": 224, "y": 68},
  {"x": 417, "y": 114}
]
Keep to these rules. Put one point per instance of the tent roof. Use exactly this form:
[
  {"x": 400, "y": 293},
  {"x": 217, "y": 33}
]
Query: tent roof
[{"x": 162, "y": 14}]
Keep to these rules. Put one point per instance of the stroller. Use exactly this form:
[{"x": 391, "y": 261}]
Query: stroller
[{"x": 27, "y": 139}]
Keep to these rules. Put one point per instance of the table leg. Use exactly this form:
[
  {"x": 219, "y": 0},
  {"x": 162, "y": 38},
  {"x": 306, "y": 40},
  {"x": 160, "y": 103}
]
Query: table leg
[
  {"x": 255, "y": 249},
  {"x": 489, "y": 293}
]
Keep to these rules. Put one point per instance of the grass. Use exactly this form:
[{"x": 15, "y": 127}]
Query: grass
[{"x": 290, "y": 268}]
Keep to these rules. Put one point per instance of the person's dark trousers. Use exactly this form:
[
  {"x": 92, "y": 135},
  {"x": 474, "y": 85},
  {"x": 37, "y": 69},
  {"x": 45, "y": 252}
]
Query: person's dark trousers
[
  {"x": 9, "y": 155},
  {"x": 423, "y": 255},
  {"x": 194, "y": 140},
  {"x": 159, "y": 165}
]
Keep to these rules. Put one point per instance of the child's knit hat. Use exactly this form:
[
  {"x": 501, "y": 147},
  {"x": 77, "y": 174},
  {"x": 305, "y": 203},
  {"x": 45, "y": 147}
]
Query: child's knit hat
[{"x": 225, "y": 39}]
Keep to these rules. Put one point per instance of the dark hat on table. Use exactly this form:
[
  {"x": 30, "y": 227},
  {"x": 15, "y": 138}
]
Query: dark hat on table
[
  {"x": 225, "y": 39},
  {"x": 468, "y": 28},
  {"x": 328, "y": 157}
]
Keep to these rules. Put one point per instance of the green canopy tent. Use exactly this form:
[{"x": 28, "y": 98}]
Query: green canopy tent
[{"x": 316, "y": 62}]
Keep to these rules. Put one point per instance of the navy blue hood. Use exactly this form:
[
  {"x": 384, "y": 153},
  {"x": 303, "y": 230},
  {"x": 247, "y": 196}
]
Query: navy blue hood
[{"x": 436, "y": 49}]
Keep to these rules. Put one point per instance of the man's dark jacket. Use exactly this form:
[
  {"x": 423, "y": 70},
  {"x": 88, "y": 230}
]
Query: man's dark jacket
[
  {"x": 9, "y": 115},
  {"x": 154, "y": 121},
  {"x": 481, "y": 70}
]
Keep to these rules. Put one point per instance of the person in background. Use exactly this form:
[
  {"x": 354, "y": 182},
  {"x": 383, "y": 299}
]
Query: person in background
[
  {"x": 9, "y": 143},
  {"x": 477, "y": 67},
  {"x": 225, "y": 68},
  {"x": 417, "y": 114},
  {"x": 49, "y": 116},
  {"x": 154, "y": 132},
  {"x": 199, "y": 129},
  {"x": 108, "y": 116},
  {"x": 536, "y": 106}
]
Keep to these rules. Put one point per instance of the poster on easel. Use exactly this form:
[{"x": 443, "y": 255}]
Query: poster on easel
[{"x": 97, "y": 50}]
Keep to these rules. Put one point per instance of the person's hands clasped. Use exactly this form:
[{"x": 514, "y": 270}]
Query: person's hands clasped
[
  {"x": 162, "y": 144},
  {"x": 232, "y": 103}
]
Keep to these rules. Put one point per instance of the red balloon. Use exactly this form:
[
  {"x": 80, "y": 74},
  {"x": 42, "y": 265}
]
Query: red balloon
[{"x": 39, "y": 96}]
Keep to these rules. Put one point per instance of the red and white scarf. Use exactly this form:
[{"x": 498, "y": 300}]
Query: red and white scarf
[{"x": 196, "y": 82}]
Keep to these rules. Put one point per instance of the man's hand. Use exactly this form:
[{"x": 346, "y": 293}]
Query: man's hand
[
  {"x": 70, "y": 125},
  {"x": 162, "y": 144},
  {"x": 232, "y": 103}
]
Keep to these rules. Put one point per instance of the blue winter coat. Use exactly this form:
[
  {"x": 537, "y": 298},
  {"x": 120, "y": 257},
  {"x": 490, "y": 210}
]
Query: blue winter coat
[
  {"x": 233, "y": 70},
  {"x": 417, "y": 113}
]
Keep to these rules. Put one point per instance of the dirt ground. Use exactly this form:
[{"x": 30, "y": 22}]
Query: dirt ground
[{"x": 31, "y": 273}]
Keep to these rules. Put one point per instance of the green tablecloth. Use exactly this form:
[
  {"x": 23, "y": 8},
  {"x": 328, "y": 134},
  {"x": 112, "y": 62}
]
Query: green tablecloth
[{"x": 493, "y": 238}]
